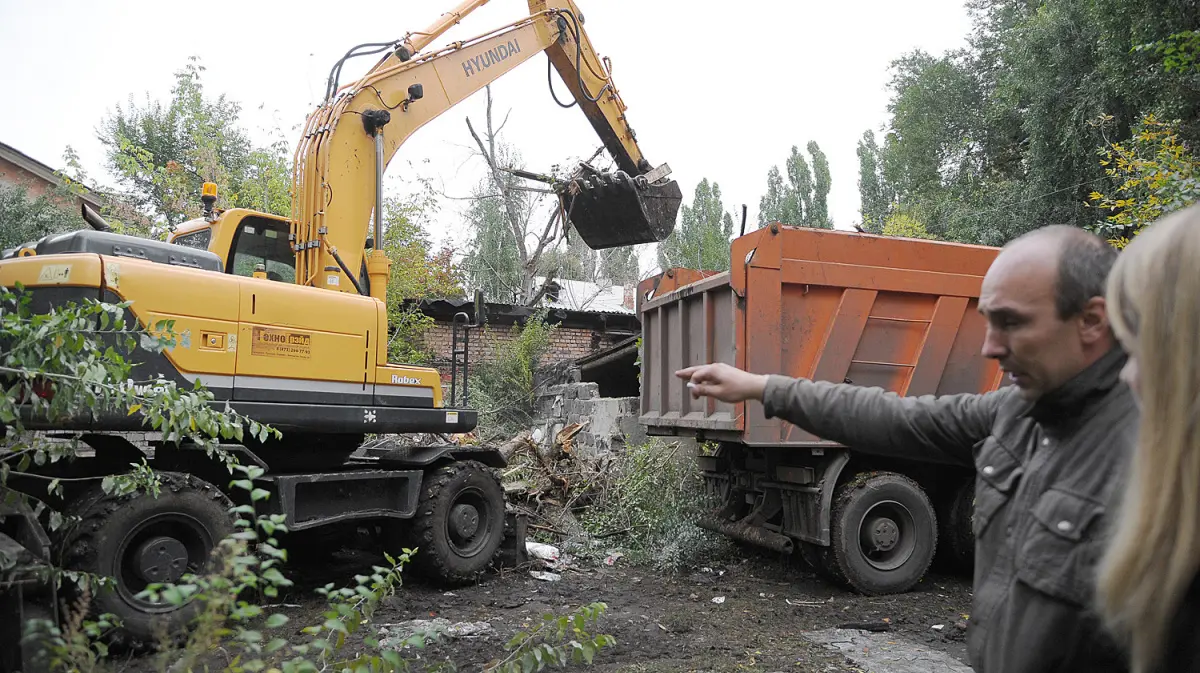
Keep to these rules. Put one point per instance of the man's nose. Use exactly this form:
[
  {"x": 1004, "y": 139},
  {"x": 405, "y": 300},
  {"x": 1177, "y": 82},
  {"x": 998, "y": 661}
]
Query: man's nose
[{"x": 994, "y": 345}]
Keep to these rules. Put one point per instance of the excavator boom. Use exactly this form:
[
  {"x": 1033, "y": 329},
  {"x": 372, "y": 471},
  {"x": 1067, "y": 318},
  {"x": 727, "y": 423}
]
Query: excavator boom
[{"x": 350, "y": 139}]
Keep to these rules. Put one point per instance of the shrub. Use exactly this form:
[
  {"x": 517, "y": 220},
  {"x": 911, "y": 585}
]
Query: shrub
[
  {"x": 655, "y": 499},
  {"x": 504, "y": 389}
]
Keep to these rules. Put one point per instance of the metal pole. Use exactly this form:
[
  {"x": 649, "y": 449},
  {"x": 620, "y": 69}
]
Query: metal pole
[{"x": 379, "y": 189}]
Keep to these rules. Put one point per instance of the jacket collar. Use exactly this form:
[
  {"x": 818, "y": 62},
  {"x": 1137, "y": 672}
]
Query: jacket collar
[{"x": 1069, "y": 400}]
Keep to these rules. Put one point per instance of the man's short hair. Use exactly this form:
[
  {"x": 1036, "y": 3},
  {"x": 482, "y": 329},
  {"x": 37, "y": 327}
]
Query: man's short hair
[{"x": 1084, "y": 262}]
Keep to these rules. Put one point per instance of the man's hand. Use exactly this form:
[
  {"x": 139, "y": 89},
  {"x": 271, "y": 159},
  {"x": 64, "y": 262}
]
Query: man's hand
[{"x": 726, "y": 383}]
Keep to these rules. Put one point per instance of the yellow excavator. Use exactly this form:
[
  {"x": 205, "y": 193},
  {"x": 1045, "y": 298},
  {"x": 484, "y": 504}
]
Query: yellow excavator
[{"x": 285, "y": 320}]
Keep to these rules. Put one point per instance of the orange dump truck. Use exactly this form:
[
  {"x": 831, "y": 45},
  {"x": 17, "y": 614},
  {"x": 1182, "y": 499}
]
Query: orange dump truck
[{"x": 898, "y": 314}]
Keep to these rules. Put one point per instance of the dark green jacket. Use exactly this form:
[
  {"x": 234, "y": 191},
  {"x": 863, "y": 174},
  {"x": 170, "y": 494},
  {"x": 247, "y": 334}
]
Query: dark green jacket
[{"x": 1046, "y": 477}]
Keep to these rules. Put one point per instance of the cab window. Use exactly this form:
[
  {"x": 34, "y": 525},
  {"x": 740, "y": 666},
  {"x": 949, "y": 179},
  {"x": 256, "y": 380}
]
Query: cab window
[
  {"x": 263, "y": 241},
  {"x": 197, "y": 239}
]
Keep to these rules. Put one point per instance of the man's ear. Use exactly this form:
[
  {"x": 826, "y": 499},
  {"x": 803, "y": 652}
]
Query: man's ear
[{"x": 1093, "y": 320}]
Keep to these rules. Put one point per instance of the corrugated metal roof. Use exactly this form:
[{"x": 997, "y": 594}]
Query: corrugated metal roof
[{"x": 590, "y": 297}]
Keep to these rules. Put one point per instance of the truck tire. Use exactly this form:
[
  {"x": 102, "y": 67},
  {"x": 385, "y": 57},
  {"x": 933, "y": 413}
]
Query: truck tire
[
  {"x": 883, "y": 533},
  {"x": 459, "y": 524},
  {"x": 127, "y": 537},
  {"x": 956, "y": 536}
]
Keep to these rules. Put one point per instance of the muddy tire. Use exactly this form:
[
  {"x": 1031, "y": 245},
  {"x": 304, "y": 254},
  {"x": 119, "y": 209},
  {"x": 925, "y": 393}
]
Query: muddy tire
[
  {"x": 956, "y": 539},
  {"x": 138, "y": 540},
  {"x": 459, "y": 524},
  {"x": 883, "y": 534}
]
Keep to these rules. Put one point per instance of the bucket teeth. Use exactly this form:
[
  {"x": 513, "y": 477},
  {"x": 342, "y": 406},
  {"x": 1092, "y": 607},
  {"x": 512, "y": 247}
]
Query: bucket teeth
[{"x": 614, "y": 209}]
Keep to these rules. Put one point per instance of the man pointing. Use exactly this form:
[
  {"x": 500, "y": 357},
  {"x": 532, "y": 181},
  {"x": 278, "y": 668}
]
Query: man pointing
[{"x": 1051, "y": 449}]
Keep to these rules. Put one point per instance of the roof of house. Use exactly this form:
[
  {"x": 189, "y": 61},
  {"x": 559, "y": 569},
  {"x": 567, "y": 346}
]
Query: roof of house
[
  {"x": 41, "y": 170},
  {"x": 622, "y": 322},
  {"x": 578, "y": 295}
]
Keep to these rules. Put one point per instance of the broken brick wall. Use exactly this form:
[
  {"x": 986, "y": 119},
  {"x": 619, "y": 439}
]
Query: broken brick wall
[
  {"x": 610, "y": 423},
  {"x": 566, "y": 343}
]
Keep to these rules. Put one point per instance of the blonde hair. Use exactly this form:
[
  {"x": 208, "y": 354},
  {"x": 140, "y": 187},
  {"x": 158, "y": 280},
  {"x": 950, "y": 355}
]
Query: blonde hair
[{"x": 1153, "y": 301}]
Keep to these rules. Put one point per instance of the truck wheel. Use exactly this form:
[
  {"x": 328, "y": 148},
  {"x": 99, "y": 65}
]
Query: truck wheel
[
  {"x": 956, "y": 533},
  {"x": 138, "y": 540},
  {"x": 883, "y": 533},
  {"x": 459, "y": 523}
]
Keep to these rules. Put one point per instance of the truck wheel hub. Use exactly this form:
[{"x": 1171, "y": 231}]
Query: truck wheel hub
[
  {"x": 885, "y": 534},
  {"x": 161, "y": 559},
  {"x": 464, "y": 520}
]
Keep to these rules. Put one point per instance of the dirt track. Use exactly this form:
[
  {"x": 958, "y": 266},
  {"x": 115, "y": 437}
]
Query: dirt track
[{"x": 665, "y": 622}]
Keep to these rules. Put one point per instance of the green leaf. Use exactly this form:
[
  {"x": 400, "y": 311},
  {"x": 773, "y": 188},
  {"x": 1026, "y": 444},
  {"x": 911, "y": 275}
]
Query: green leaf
[{"x": 276, "y": 620}]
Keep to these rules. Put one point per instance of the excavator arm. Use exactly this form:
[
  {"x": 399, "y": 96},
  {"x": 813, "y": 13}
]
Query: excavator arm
[{"x": 348, "y": 141}]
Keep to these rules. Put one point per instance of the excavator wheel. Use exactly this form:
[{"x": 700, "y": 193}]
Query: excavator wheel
[
  {"x": 614, "y": 210},
  {"x": 459, "y": 524},
  {"x": 138, "y": 539}
]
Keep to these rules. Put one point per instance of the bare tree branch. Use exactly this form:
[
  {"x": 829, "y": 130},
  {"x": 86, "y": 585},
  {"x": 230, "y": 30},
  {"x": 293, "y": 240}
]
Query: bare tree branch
[
  {"x": 482, "y": 151},
  {"x": 537, "y": 190},
  {"x": 504, "y": 122},
  {"x": 595, "y": 154},
  {"x": 546, "y": 236}
]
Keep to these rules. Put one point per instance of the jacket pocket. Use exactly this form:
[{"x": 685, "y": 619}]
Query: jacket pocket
[
  {"x": 1060, "y": 551},
  {"x": 997, "y": 474}
]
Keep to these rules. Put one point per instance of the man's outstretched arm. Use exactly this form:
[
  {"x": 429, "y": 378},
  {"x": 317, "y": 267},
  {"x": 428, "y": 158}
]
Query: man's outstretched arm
[{"x": 944, "y": 429}]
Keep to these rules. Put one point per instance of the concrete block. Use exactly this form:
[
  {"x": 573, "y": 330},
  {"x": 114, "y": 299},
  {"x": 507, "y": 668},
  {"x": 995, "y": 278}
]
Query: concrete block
[
  {"x": 572, "y": 392},
  {"x": 628, "y": 405},
  {"x": 583, "y": 391},
  {"x": 633, "y": 432}
]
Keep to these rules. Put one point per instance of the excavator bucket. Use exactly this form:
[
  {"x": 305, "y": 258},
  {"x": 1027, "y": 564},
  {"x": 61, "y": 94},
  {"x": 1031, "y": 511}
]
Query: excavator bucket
[{"x": 610, "y": 210}]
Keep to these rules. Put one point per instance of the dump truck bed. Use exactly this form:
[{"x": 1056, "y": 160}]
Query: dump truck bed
[{"x": 899, "y": 314}]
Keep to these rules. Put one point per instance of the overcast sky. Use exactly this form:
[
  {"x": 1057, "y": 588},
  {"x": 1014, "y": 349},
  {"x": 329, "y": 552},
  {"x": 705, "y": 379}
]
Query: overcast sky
[{"x": 721, "y": 93}]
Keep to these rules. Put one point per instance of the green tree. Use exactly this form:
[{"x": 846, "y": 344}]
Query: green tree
[
  {"x": 779, "y": 203},
  {"x": 509, "y": 239},
  {"x": 701, "y": 241},
  {"x": 904, "y": 225},
  {"x": 162, "y": 153},
  {"x": 25, "y": 219},
  {"x": 874, "y": 193},
  {"x": 493, "y": 261},
  {"x": 803, "y": 199},
  {"x": 573, "y": 260},
  {"x": 992, "y": 140},
  {"x": 798, "y": 205},
  {"x": 818, "y": 216},
  {"x": 620, "y": 265},
  {"x": 1152, "y": 174},
  {"x": 417, "y": 272}
]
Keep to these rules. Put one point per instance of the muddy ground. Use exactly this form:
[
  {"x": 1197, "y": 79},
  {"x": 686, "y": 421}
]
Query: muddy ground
[{"x": 665, "y": 621}]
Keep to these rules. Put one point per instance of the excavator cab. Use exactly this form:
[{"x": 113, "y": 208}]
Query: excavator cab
[{"x": 610, "y": 210}]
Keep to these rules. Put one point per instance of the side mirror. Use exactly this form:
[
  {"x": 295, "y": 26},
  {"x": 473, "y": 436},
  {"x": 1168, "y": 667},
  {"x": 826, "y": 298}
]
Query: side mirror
[{"x": 480, "y": 308}]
